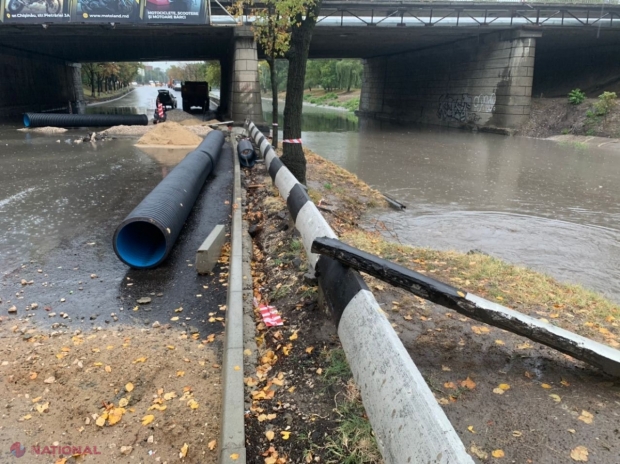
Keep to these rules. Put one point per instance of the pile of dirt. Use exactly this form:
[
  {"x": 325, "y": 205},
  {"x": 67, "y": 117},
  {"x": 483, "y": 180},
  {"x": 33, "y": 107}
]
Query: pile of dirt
[
  {"x": 179, "y": 116},
  {"x": 126, "y": 130},
  {"x": 170, "y": 133}
]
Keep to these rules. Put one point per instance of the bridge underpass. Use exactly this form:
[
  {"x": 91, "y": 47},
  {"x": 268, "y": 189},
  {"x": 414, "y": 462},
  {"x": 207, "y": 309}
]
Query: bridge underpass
[{"x": 422, "y": 61}]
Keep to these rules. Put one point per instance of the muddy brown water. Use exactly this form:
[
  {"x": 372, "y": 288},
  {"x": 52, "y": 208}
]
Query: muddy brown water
[{"x": 553, "y": 207}]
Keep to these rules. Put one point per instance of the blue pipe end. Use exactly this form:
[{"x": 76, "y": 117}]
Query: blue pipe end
[
  {"x": 26, "y": 120},
  {"x": 140, "y": 244}
]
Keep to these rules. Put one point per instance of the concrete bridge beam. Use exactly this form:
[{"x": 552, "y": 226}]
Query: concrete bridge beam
[
  {"x": 483, "y": 83},
  {"x": 244, "y": 88},
  {"x": 31, "y": 82}
]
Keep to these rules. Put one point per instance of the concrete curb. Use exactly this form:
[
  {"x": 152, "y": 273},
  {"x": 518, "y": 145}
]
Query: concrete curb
[
  {"x": 409, "y": 424},
  {"x": 232, "y": 433}
]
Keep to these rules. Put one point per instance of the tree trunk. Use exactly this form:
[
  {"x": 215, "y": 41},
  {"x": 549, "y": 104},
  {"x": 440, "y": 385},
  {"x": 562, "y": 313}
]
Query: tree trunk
[
  {"x": 297, "y": 55},
  {"x": 274, "y": 100}
]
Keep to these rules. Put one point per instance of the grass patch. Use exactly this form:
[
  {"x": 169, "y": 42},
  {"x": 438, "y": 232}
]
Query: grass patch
[
  {"x": 354, "y": 442},
  {"x": 281, "y": 292},
  {"x": 528, "y": 291}
]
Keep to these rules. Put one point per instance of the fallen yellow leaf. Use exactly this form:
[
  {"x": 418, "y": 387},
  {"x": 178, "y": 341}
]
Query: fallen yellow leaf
[
  {"x": 285, "y": 434},
  {"x": 140, "y": 360},
  {"x": 498, "y": 453},
  {"x": 500, "y": 342},
  {"x": 468, "y": 383},
  {"x": 212, "y": 444},
  {"x": 555, "y": 397},
  {"x": 309, "y": 349},
  {"x": 269, "y": 434},
  {"x": 146, "y": 420},
  {"x": 586, "y": 417},
  {"x": 471, "y": 429},
  {"x": 159, "y": 407},
  {"x": 175, "y": 318},
  {"x": 294, "y": 336},
  {"x": 129, "y": 387},
  {"x": 123, "y": 402},
  {"x": 234, "y": 456},
  {"x": 108, "y": 369},
  {"x": 33, "y": 375},
  {"x": 180, "y": 373},
  {"x": 115, "y": 415},
  {"x": 546, "y": 385},
  {"x": 100, "y": 421},
  {"x": 42, "y": 407},
  {"x": 184, "y": 450},
  {"x": 579, "y": 454},
  {"x": 193, "y": 404}
]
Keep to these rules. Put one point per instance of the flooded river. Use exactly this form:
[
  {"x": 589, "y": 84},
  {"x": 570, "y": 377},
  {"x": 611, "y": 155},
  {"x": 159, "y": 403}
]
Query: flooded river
[{"x": 550, "y": 206}]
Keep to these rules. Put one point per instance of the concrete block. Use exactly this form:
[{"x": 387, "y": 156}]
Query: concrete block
[
  {"x": 210, "y": 250},
  {"x": 245, "y": 76}
]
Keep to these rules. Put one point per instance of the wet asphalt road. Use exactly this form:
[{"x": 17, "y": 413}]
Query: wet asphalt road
[{"x": 59, "y": 206}]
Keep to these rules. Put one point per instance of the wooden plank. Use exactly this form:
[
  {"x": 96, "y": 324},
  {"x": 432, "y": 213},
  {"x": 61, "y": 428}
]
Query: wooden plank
[{"x": 584, "y": 349}]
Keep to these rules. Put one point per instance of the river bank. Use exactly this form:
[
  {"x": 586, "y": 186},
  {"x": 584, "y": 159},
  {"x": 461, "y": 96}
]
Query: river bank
[
  {"x": 556, "y": 116},
  {"x": 504, "y": 395},
  {"x": 334, "y": 100}
]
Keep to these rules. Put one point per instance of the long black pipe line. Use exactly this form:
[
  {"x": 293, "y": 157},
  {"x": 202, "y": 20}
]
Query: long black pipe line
[
  {"x": 146, "y": 236},
  {"x": 84, "y": 120}
]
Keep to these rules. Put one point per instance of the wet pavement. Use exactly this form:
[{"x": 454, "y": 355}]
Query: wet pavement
[
  {"x": 60, "y": 203},
  {"x": 553, "y": 207}
]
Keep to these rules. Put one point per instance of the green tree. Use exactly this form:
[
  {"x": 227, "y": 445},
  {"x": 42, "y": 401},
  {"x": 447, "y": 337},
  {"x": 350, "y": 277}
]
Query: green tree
[
  {"x": 213, "y": 74},
  {"x": 272, "y": 33},
  {"x": 349, "y": 74},
  {"x": 313, "y": 74}
]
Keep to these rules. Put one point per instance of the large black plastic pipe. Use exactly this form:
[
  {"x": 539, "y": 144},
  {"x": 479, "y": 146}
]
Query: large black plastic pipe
[
  {"x": 146, "y": 236},
  {"x": 84, "y": 120}
]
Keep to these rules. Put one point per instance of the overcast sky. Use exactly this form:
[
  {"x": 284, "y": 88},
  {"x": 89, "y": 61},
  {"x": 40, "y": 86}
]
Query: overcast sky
[{"x": 166, "y": 64}]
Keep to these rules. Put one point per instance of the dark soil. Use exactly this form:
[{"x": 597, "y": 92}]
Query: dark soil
[{"x": 555, "y": 116}]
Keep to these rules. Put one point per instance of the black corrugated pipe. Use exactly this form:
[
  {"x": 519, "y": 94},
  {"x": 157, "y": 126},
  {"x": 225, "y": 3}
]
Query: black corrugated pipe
[
  {"x": 146, "y": 236},
  {"x": 84, "y": 120},
  {"x": 246, "y": 153}
]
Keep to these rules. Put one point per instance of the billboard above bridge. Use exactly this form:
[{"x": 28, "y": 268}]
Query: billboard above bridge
[
  {"x": 104, "y": 11},
  {"x": 35, "y": 11}
]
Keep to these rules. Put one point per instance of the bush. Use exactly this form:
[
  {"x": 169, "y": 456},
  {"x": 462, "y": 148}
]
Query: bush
[
  {"x": 606, "y": 102},
  {"x": 576, "y": 97}
]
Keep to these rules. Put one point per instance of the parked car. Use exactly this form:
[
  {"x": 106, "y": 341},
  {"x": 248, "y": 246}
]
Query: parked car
[{"x": 167, "y": 99}]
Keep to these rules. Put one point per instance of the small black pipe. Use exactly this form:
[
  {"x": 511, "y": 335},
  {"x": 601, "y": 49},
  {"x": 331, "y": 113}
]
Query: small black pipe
[
  {"x": 246, "y": 153},
  {"x": 84, "y": 120},
  {"x": 146, "y": 236}
]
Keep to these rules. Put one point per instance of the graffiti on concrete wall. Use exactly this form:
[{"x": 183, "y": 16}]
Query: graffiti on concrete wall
[
  {"x": 463, "y": 107},
  {"x": 484, "y": 103},
  {"x": 455, "y": 107}
]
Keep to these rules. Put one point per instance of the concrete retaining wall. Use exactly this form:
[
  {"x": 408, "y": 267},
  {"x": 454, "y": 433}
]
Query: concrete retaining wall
[
  {"x": 484, "y": 82},
  {"x": 29, "y": 83}
]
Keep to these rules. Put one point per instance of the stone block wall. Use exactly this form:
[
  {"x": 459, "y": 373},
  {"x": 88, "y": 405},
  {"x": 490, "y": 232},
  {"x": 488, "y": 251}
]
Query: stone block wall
[
  {"x": 484, "y": 83},
  {"x": 30, "y": 83},
  {"x": 245, "y": 96}
]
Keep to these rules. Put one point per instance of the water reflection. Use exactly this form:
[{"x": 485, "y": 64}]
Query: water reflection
[{"x": 318, "y": 120}]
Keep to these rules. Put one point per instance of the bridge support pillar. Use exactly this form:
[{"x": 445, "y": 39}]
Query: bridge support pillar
[
  {"x": 483, "y": 83},
  {"x": 30, "y": 82},
  {"x": 245, "y": 98},
  {"x": 78, "y": 102}
]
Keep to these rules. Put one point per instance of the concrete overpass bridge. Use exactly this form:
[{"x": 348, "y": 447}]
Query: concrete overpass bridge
[{"x": 453, "y": 63}]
